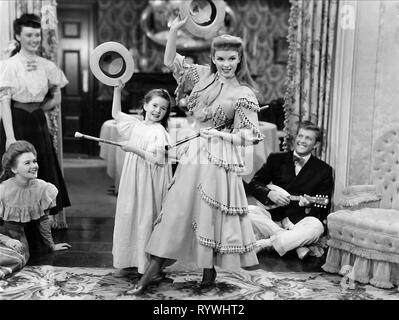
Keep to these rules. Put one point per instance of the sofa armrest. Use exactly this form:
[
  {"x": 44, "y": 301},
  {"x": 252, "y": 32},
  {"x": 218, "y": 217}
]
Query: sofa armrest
[{"x": 360, "y": 196}]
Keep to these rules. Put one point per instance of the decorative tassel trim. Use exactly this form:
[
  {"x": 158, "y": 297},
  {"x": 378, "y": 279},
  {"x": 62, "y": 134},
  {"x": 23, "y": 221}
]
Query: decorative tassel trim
[
  {"x": 219, "y": 116},
  {"x": 192, "y": 74},
  {"x": 245, "y": 103},
  {"x": 245, "y": 123},
  {"x": 241, "y": 211},
  {"x": 223, "y": 249},
  {"x": 192, "y": 101},
  {"x": 364, "y": 253},
  {"x": 238, "y": 168}
]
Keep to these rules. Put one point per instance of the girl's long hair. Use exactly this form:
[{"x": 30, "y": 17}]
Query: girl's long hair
[
  {"x": 163, "y": 94},
  {"x": 227, "y": 42},
  {"x": 25, "y": 20},
  {"x": 10, "y": 157}
]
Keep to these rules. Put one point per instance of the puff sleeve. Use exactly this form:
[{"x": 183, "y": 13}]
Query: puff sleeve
[
  {"x": 125, "y": 124},
  {"x": 49, "y": 195},
  {"x": 26, "y": 204},
  {"x": 246, "y": 123},
  {"x": 55, "y": 75},
  {"x": 8, "y": 79},
  {"x": 187, "y": 75}
]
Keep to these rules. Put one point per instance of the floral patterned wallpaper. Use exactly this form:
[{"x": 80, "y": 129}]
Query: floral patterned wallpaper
[{"x": 260, "y": 22}]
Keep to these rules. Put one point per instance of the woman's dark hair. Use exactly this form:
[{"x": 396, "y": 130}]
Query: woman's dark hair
[
  {"x": 227, "y": 42},
  {"x": 26, "y": 20},
  {"x": 10, "y": 157},
  {"x": 163, "y": 94}
]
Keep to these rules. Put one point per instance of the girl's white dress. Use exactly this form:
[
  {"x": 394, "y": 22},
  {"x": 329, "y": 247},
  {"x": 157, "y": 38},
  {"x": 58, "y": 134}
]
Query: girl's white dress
[{"x": 142, "y": 187}]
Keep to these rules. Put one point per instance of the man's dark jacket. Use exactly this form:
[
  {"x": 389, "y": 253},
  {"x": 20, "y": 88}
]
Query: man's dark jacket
[{"x": 315, "y": 177}]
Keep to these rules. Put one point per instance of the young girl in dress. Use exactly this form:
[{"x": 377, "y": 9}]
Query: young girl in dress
[
  {"x": 144, "y": 180},
  {"x": 24, "y": 198}
]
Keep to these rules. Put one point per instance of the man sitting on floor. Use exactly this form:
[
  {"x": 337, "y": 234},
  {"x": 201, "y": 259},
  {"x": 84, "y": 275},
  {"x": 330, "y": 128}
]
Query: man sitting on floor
[{"x": 279, "y": 222}]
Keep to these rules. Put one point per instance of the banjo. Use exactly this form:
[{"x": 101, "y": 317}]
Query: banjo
[{"x": 319, "y": 201}]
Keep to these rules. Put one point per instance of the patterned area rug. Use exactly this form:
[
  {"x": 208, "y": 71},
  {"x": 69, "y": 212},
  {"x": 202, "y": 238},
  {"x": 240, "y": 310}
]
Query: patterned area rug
[{"x": 61, "y": 283}]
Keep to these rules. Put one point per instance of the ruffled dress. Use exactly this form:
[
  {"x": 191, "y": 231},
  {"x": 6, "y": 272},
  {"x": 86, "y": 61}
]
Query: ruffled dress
[
  {"x": 204, "y": 214},
  {"x": 23, "y": 86},
  {"x": 30, "y": 204},
  {"x": 142, "y": 187},
  {"x": 24, "y": 204}
]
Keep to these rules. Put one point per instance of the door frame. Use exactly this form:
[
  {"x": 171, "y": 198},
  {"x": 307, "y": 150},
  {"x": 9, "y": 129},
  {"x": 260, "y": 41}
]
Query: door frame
[{"x": 87, "y": 116}]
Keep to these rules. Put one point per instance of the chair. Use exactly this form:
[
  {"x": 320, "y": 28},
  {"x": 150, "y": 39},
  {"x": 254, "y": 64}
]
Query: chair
[{"x": 364, "y": 234}]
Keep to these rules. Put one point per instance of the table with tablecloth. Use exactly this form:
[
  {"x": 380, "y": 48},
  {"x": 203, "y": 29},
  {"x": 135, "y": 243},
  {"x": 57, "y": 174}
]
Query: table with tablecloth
[{"x": 179, "y": 128}]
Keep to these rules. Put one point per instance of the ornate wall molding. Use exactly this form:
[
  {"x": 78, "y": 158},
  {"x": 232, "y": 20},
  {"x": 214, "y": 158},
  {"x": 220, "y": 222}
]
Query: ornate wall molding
[{"x": 8, "y": 13}]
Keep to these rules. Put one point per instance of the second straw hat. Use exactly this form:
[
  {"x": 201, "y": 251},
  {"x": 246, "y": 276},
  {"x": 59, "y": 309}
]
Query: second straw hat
[
  {"x": 205, "y": 17},
  {"x": 111, "y": 62}
]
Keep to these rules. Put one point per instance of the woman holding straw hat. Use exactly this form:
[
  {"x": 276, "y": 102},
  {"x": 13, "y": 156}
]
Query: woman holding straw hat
[{"x": 204, "y": 214}]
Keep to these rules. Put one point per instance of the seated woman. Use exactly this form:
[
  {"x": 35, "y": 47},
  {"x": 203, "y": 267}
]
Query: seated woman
[{"x": 24, "y": 198}]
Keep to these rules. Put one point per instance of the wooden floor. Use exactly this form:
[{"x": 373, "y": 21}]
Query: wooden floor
[
  {"x": 91, "y": 236},
  {"x": 91, "y": 240}
]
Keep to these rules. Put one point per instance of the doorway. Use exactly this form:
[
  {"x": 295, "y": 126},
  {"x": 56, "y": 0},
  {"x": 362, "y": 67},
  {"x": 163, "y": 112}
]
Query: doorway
[{"x": 76, "y": 36}]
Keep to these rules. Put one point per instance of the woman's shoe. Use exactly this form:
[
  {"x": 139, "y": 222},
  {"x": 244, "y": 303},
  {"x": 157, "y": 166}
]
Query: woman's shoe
[{"x": 208, "y": 281}]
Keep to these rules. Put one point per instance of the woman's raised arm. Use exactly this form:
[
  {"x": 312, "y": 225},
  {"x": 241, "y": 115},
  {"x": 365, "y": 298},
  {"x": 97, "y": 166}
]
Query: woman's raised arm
[{"x": 170, "y": 50}]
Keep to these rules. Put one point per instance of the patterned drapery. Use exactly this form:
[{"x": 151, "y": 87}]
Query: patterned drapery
[
  {"x": 47, "y": 10},
  {"x": 311, "y": 36},
  {"x": 7, "y": 15}
]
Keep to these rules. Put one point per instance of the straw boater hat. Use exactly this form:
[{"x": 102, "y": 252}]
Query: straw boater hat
[
  {"x": 205, "y": 17},
  {"x": 111, "y": 62}
]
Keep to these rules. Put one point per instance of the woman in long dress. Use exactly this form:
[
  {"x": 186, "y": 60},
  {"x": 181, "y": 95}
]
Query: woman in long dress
[
  {"x": 29, "y": 86},
  {"x": 204, "y": 214}
]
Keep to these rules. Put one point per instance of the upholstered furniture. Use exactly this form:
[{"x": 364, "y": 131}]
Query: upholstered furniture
[{"x": 364, "y": 234}]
